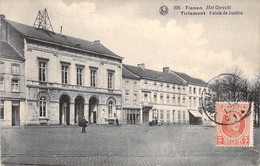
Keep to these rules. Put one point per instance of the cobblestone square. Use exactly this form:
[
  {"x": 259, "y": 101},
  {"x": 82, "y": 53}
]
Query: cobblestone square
[{"x": 123, "y": 145}]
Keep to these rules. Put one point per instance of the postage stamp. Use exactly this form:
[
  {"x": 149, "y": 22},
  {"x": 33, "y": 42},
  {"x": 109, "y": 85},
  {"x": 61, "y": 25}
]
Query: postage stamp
[{"x": 236, "y": 124}]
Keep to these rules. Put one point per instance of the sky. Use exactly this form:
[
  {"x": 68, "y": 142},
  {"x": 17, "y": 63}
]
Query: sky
[{"x": 201, "y": 46}]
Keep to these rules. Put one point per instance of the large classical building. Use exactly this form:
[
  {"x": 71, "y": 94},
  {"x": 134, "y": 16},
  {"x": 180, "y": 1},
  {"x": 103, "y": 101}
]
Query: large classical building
[
  {"x": 60, "y": 79},
  {"x": 162, "y": 95}
]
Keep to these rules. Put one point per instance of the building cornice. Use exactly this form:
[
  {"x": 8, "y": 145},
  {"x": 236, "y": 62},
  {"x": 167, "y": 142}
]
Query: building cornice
[{"x": 73, "y": 48}]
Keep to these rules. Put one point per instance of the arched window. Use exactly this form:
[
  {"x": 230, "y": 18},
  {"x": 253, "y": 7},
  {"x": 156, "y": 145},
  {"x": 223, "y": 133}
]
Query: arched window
[
  {"x": 110, "y": 109},
  {"x": 43, "y": 106}
]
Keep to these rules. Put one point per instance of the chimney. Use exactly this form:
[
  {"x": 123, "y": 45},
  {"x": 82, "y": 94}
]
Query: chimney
[
  {"x": 2, "y": 15},
  {"x": 166, "y": 69},
  {"x": 97, "y": 41},
  {"x": 61, "y": 30},
  {"x": 142, "y": 65}
]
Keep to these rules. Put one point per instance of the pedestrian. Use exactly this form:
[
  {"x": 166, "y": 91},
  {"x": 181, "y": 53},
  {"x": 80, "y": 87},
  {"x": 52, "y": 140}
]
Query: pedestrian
[
  {"x": 156, "y": 121},
  {"x": 117, "y": 122},
  {"x": 84, "y": 124}
]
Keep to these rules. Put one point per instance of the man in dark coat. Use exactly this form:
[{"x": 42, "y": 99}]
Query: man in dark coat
[
  {"x": 117, "y": 122},
  {"x": 84, "y": 123}
]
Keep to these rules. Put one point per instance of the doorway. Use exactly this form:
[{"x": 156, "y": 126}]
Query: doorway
[
  {"x": 79, "y": 109},
  {"x": 15, "y": 113},
  {"x": 93, "y": 108},
  {"x": 65, "y": 110}
]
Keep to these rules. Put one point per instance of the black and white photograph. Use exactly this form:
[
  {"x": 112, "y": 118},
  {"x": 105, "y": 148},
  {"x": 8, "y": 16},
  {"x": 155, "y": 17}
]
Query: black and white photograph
[{"x": 130, "y": 83}]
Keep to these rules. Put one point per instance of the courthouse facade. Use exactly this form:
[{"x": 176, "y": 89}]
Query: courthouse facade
[{"x": 62, "y": 78}]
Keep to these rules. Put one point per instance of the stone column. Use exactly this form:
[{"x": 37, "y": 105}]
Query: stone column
[
  {"x": 72, "y": 113},
  {"x": 86, "y": 111},
  {"x": 63, "y": 120},
  {"x": 141, "y": 115}
]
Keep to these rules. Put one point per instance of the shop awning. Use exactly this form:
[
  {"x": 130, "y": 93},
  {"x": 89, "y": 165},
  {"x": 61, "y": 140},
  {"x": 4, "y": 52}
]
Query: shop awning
[{"x": 196, "y": 113}]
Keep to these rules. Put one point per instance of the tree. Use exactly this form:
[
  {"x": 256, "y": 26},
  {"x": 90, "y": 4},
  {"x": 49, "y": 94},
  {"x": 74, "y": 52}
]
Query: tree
[{"x": 255, "y": 91}]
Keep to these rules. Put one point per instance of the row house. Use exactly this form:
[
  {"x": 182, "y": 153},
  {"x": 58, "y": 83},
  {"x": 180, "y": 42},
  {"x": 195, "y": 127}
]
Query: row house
[
  {"x": 131, "y": 97},
  {"x": 12, "y": 94},
  {"x": 163, "y": 96},
  {"x": 64, "y": 78},
  {"x": 195, "y": 89}
]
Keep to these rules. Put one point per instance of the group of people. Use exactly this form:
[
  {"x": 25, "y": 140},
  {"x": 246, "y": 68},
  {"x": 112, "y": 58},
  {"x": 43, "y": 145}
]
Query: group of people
[{"x": 84, "y": 123}]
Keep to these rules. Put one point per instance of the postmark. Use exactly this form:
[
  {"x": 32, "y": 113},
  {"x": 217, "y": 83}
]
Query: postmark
[
  {"x": 238, "y": 129},
  {"x": 228, "y": 88}
]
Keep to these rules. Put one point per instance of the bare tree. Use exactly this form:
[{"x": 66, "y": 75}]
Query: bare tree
[{"x": 255, "y": 91}]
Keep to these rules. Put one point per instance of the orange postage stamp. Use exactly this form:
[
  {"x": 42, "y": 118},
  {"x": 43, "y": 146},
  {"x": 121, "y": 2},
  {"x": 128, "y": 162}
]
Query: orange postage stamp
[{"x": 236, "y": 124}]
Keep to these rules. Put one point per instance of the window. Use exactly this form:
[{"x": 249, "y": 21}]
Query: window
[
  {"x": 42, "y": 71},
  {"x": 135, "y": 97},
  {"x": 79, "y": 76},
  {"x": 2, "y": 67},
  {"x": 173, "y": 99},
  {"x": 194, "y": 90},
  {"x": 179, "y": 115},
  {"x": 161, "y": 115},
  {"x": 43, "y": 107},
  {"x": 179, "y": 89},
  {"x": 173, "y": 115},
  {"x": 168, "y": 98},
  {"x": 161, "y": 98},
  {"x": 190, "y": 102},
  {"x": 145, "y": 97},
  {"x": 110, "y": 80},
  {"x": 127, "y": 96},
  {"x": 145, "y": 82},
  {"x": 15, "y": 85},
  {"x": 161, "y": 85},
  {"x": 65, "y": 74},
  {"x": 173, "y": 88},
  {"x": 93, "y": 73},
  {"x": 184, "y": 116},
  {"x": 2, "y": 109},
  {"x": 179, "y": 100},
  {"x": 194, "y": 102},
  {"x": 183, "y": 88},
  {"x": 154, "y": 83},
  {"x": 168, "y": 115},
  {"x": 15, "y": 69},
  {"x": 199, "y": 90},
  {"x": 155, "y": 98},
  {"x": 183, "y": 100},
  {"x": 110, "y": 109},
  {"x": 2, "y": 84},
  {"x": 199, "y": 102},
  {"x": 167, "y": 86},
  {"x": 190, "y": 90},
  {"x": 127, "y": 86}
]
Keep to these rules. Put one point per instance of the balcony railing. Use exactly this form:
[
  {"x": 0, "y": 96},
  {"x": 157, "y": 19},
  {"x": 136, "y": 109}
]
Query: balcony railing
[{"x": 70, "y": 86}]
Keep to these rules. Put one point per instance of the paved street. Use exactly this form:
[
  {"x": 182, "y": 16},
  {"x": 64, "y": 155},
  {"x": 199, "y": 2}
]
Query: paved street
[{"x": 124, "y": 145}]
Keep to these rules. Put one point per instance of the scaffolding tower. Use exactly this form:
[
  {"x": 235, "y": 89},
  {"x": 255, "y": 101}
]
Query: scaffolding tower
[{"x": 43, "y": 21}]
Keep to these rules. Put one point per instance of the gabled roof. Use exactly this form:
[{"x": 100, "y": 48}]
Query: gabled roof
[
  {"x": 48, "y": 36},
  {"x": 128, "y": 74},
  {"x": 154, "y": 75},
  {"x": 8, "y": 52},
  {"x": 189, "y": 79}
]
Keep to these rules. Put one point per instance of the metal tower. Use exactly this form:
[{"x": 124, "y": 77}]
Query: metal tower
[{"x": 43, "y": 21}]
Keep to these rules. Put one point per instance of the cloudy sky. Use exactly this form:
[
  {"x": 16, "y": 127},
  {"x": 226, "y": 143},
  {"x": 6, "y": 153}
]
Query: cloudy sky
[{"x": 201, "y": 46}]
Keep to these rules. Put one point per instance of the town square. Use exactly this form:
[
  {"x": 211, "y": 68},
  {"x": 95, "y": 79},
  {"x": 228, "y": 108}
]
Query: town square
[
  {"x": 123, "y": 145},
  {"x": 134, "y": 83}
]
